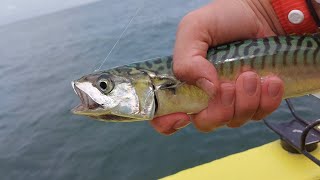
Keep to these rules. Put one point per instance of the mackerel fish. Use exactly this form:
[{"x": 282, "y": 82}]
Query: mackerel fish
[{"x": 145, "y": 90}]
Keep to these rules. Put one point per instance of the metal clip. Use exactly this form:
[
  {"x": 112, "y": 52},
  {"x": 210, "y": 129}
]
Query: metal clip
[{"x": 298, "y": 135}]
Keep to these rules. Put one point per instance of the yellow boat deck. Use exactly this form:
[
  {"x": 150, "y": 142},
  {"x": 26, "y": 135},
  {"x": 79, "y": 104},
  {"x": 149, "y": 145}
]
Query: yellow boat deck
[{"x": 267, "y": 162}]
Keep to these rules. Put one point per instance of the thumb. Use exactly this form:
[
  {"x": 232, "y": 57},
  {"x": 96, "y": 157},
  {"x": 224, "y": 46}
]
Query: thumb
[
  {"x": 189, "y": 59},
  {"x": 197, "y": 71}
]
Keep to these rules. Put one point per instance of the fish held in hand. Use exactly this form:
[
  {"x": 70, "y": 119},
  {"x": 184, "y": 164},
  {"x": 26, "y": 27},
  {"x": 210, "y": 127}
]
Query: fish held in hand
[{"x": 145, "y": 90}]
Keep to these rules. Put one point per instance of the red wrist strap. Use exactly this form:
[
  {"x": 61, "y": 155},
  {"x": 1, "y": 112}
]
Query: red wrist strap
[{"x": 284, "y": 7}]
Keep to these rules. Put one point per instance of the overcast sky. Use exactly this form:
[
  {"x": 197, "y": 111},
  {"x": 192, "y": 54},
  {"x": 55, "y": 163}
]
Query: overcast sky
[{"x": 13, "y": 10}]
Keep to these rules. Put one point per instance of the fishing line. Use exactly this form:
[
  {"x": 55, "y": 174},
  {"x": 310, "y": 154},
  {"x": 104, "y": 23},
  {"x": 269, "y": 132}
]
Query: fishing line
[{"x": 120, "y": 37}]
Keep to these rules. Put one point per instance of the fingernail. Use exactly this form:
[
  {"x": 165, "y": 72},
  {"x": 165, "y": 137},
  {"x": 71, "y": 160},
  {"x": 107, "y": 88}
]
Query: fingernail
[
  {"x": 250, "y": 83},
  {"x": 181, "y": 124},
  {"x": 274, "y": 88},
  {"x": 227, "y": 94},
  {"x": 207, "y": 86}
]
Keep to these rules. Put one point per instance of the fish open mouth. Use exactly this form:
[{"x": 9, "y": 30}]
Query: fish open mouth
[
  {"x": 90, "y": 108},
  {"x": 87, "y": 103}
]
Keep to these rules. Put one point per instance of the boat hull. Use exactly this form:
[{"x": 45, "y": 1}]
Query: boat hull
[{"x": 266, "y": 162}]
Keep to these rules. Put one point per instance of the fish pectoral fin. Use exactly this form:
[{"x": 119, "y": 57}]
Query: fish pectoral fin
[{"x": 166, "y": 83}]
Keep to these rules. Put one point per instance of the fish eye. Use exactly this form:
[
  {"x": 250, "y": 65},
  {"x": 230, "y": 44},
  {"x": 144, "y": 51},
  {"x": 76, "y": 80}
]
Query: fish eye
[{"x": 105, "y": 85}]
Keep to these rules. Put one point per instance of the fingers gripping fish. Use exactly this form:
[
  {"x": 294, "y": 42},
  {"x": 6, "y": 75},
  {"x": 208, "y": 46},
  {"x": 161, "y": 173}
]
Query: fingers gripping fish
[{"x": 144, "y": 90}]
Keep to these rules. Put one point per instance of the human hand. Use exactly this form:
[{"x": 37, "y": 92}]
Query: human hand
[{"x": 232, "y": 103}]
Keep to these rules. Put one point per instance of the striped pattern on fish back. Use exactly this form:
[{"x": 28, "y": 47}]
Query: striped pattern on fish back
[
  {"x": 265, "y": 55},
  {"x": 273, "y": 54},
  {"x": 159, "y": 66}
]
